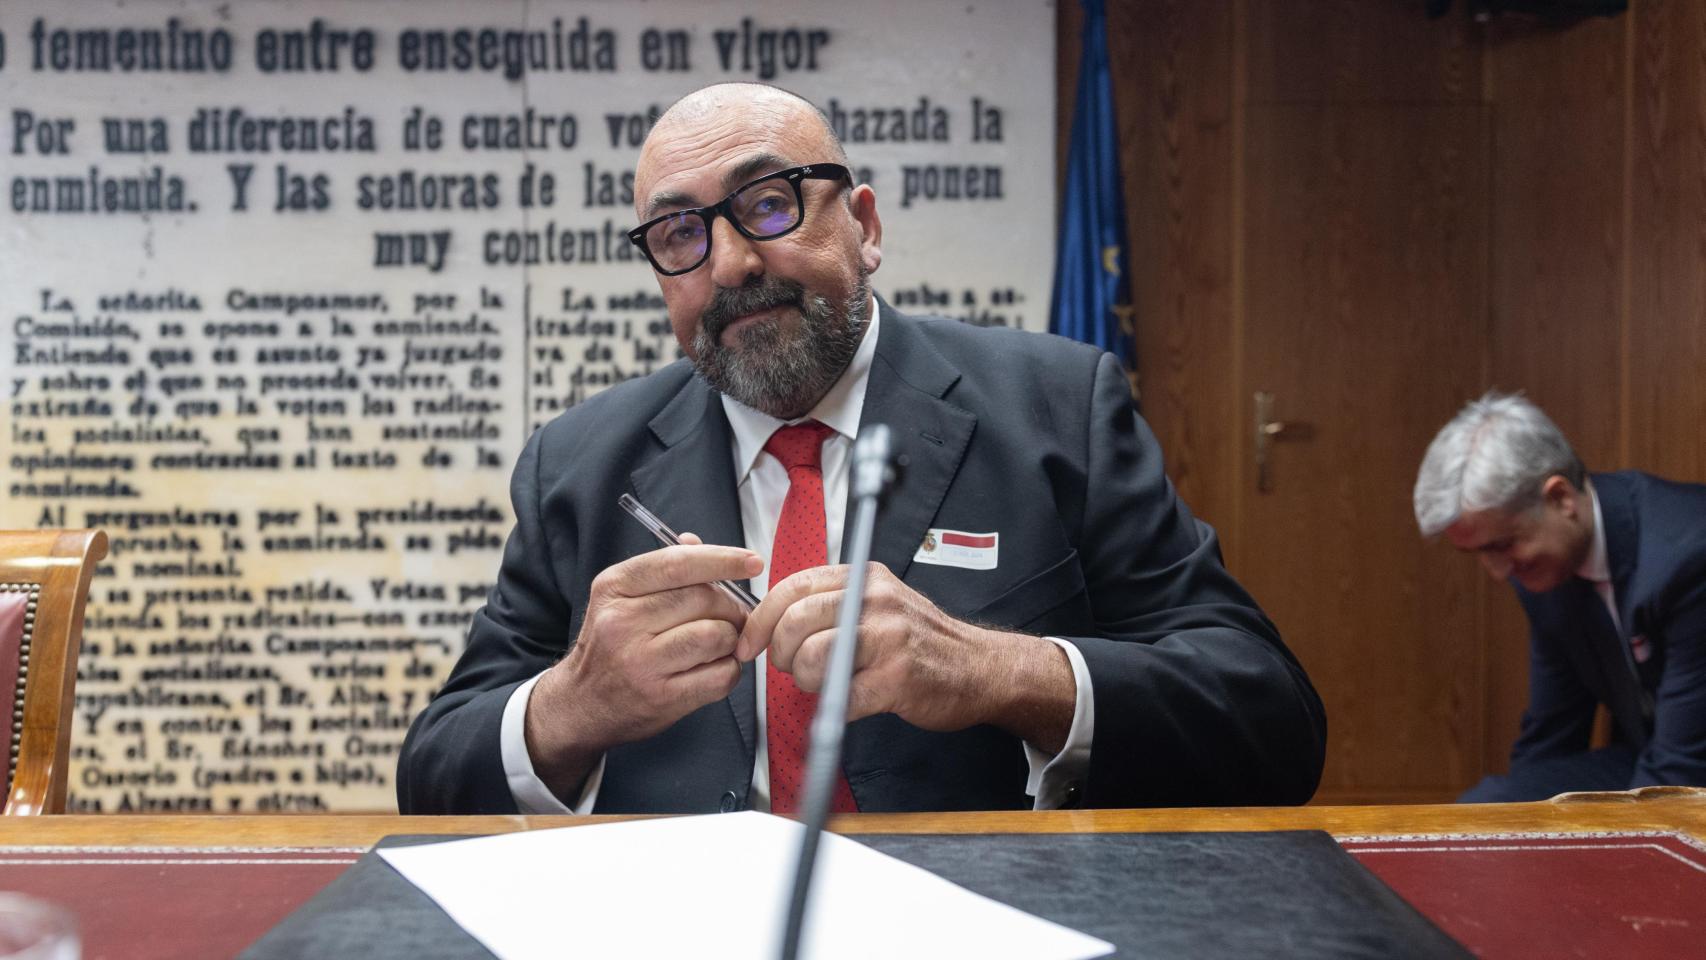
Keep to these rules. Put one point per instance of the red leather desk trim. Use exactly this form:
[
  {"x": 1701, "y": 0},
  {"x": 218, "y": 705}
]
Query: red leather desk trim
[
  {"x": 1544, "y": 896},
  {"x": 1505, "y": 897},
  {"x": 153, "y": 903}
]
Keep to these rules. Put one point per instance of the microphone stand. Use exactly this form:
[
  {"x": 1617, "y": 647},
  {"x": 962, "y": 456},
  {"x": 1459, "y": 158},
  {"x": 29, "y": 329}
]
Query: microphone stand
[{"x": 872, "y": 473}]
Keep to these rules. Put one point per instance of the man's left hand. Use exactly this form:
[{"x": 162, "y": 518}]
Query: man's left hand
[{"x": 913, "y": 660}]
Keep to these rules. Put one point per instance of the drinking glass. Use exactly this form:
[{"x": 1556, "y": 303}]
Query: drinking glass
[{"x": 32, "y": 929}]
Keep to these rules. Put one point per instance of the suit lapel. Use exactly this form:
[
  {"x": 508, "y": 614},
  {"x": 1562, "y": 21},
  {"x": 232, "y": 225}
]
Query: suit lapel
[
  {"x": 908, "y": 381},
  {"x": 1622, "y": 545},
  {"x": 691, "y": 485}
]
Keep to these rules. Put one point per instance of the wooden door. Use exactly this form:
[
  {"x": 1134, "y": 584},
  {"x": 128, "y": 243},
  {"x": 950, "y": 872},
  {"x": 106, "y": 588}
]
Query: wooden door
[
  {"x": 1308, "y": 209},
  {"x": 1363, "y": 315}
]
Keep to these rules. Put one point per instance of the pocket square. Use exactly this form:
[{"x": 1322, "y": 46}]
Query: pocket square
[{"x": 1640, "y": 648}]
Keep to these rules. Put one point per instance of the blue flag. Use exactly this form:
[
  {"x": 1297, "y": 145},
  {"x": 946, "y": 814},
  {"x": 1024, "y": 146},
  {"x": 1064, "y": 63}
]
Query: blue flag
[{"x": 1090, "y": 296}]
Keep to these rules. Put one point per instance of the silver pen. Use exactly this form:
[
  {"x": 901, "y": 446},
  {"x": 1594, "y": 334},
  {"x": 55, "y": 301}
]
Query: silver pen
[{"x": 734, "y": 591}]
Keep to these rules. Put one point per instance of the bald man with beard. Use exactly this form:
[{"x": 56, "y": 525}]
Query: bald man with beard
[{"x": 1087, "y": 649}]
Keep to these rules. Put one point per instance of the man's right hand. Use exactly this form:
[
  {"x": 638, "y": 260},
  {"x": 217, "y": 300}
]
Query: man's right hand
[{"x": 657, "y": 643}]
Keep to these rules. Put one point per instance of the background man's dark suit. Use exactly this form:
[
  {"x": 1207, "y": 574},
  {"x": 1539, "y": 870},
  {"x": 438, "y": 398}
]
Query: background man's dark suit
[
  {"x": 1196, "y": 699},
  {"x": 1655, "y": 539}
]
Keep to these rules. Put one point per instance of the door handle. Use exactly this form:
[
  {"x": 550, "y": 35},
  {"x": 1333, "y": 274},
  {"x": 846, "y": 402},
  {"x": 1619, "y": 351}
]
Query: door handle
[{"x": 1268, "y": 430}]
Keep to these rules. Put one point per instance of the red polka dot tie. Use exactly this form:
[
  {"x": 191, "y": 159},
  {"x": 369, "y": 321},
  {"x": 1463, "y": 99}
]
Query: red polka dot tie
[{"x": 801, "y": 543}]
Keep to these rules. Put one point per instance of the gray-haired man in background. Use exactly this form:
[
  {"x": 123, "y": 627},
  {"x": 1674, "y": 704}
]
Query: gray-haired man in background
[{"x": 1611, "y": 570}]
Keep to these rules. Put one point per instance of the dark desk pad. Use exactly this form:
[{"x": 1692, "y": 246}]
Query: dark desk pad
[{"x": 1199, "y": 895}]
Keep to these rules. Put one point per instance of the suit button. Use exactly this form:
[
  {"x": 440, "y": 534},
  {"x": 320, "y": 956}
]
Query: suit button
[{"x": 730, "y": 801}]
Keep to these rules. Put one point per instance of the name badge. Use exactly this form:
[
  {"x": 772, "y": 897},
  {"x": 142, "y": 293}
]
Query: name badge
[{"x": 957, "y": 548}]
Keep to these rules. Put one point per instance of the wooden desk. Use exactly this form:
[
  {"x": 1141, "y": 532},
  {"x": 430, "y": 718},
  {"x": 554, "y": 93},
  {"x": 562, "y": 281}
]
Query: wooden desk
[
  {"x": 1655, "y": 808},
  {"x": 261, "y": 868}
]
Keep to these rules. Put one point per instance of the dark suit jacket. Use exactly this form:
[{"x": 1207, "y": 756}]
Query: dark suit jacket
[
  {"x": 1196, "y": 699},
  {"x": 1655, "y": 539}
]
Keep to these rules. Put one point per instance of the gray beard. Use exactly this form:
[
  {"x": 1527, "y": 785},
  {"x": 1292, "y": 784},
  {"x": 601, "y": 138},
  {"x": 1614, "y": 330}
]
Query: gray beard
[{"x": 768, "y": 370}]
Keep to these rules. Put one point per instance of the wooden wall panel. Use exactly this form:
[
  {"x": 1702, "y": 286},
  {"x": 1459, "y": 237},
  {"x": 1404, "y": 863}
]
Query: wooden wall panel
[
  {"x": 1558, "y": 235},
  {"x": 1665, "y": 327},
  {"x": 1360, "y": 51},
  {"x": 1068, "y": 30},
  {"x": 1174, "y": 87},
  {"x": 1557, "y": 265}
]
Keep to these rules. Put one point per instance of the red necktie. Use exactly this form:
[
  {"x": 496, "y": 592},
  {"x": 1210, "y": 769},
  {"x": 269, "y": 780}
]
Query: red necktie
[{"x": 801, "y": 543}]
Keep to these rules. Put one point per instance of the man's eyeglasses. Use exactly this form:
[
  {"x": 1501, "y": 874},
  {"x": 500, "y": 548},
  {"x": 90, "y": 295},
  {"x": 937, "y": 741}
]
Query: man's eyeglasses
[{"x": 769, "y": 207}]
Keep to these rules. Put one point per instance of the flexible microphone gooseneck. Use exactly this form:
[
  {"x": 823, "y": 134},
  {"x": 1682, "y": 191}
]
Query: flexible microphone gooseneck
[{"x": 873, "y": 471}]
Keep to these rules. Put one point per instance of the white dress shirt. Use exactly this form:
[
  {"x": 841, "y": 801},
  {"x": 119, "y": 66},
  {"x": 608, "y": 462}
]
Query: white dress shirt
[{"x": 762, "y": 484}]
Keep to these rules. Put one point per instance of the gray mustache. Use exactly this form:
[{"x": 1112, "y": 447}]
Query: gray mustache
[{"x": 729, "y": 304}]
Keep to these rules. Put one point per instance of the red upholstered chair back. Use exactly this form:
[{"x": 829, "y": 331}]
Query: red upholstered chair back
[{"x": 44, "y": 583}]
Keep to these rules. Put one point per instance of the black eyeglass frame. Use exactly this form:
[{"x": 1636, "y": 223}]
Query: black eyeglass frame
[{"x": 793, "y": 175}]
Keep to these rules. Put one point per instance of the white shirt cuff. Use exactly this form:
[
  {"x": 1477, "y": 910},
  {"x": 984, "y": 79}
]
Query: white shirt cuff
[
  {"x": 1058, "y": 779},
  {"x": 530, "y": 793}
]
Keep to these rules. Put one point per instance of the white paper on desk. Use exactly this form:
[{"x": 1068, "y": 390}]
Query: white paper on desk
[{"x": 712, "y": 886}]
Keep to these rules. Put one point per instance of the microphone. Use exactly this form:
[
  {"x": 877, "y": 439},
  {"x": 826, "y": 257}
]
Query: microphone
[
  {"x": 873, "y": 463},
  {"x": 873, "y": 470}
]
